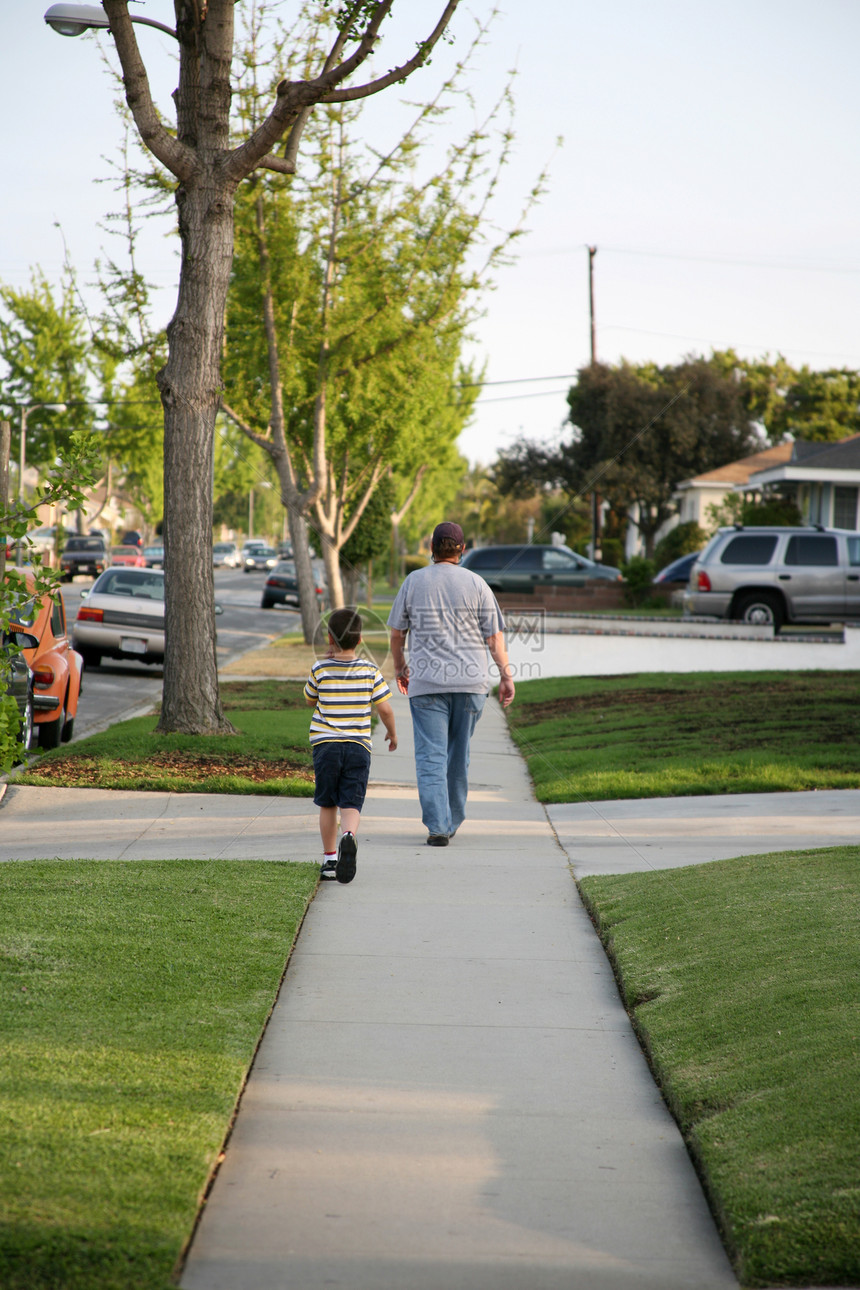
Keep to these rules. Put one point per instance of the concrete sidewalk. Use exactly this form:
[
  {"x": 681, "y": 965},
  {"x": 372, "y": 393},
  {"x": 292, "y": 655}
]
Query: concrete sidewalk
[{"x": 449, "y": 1092}]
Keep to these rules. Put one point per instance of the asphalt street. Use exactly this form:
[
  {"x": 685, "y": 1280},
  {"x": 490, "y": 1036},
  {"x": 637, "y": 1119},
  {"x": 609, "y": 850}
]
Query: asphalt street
[{"x": 117, "y": 690}]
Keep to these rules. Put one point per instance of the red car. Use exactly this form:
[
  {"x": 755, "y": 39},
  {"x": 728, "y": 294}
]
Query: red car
[
  {"x": 128, "y": 555},
  {"x": 55, "y": 665}
]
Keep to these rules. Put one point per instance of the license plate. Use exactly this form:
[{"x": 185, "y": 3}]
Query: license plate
[{"x": 129, "y": 645}]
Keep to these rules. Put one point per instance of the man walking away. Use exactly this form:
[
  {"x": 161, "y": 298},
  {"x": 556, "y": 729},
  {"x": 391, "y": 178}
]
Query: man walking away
[{"x": 451, "y": 620}]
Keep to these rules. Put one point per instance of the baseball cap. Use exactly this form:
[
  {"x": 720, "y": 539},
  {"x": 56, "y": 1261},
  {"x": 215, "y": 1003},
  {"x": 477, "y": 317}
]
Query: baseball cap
[{"x": 447, "y": 532}]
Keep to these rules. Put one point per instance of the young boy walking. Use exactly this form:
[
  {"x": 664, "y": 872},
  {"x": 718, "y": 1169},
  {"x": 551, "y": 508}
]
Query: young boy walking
[{"x": 342, "y": 689}]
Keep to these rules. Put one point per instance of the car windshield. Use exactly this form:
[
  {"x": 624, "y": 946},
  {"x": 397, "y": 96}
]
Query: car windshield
[
  {"x": 85, "y": 544},
  {"x": 130, "y": 582},
  {"x": 124, "y": 550},
  {"x": 285, "y": 567}
]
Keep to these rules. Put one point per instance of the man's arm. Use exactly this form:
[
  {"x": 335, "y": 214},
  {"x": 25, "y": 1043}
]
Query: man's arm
[
  {"x": 398, "y": 657},
  {"x": 498, "y": 650}
]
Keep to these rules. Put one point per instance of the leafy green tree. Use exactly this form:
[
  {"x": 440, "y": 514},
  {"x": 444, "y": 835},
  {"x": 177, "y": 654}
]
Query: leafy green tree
[
  {"x": 370, "y": 540},
  {"x": 637, "y": 432},
  {"x": 45, "y": 359},
  {"x": 360, "y": 280},
  {"x": 823, "y": 406}
]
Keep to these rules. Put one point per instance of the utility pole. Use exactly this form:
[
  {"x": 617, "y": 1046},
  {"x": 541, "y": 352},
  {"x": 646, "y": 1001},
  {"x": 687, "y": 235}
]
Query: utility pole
[
  {"x": 592, "y": 251},
  {"x": 595, "y": 497}
]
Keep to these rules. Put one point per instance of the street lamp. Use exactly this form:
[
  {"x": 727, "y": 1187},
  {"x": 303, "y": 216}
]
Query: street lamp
[
  {"x": 75, "y": 19},
  {"x": 26, "y": 409}
]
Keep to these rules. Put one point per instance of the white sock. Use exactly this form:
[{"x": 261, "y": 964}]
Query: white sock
[{"x": 329, "y": 855}]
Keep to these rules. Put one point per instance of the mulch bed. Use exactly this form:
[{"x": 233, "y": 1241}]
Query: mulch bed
[{"x": 81, "y": 772}]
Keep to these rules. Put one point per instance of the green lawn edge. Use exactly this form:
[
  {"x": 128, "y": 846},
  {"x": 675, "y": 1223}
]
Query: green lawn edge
[
  {"x": 741, "y": 980},
  {"x": 687, "y": 734},
  {"x": 135, "y": 995}
]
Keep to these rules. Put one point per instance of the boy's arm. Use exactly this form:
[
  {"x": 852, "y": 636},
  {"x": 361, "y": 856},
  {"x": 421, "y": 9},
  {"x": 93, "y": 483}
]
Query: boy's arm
[{"x": 386, "y": 715}]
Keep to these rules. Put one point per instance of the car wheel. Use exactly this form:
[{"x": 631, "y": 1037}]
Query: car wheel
[
  {"x": 267, "y": 604},
  {"x": 91, "y": 657},
  {"x": 68, "y": 730},
  {"x": 763, "y": 608},
  {"x": 51, "y": 732}
]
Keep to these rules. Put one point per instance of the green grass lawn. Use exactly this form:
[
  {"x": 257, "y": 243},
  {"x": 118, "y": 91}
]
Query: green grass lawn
[
  {"x": 742, "y": 979},
  {"x": 134, "y": 995},
  {"x": 669, "y": 735},
  {"x": 269, "y": 755}
]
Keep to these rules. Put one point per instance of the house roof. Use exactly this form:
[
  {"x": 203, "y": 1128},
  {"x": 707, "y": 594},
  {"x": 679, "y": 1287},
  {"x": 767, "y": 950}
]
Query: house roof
[
  {"x": 738, "y": 472},
  {"x": 843, "y": 455}
]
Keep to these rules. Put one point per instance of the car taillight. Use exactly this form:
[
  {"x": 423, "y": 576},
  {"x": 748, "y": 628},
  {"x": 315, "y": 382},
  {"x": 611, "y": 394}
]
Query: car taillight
[
  {"x": 43, "y": 675},
  {"x": 703, "y": 582},
  {"x": 86, "y": 613}
]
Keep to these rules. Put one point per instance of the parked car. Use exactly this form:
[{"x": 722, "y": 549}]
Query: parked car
[
  {"x": 20, "y": 681},
  {"x": 122, "y": 616},
  {"x": 226, "y": 555},
  {"x": 56, "y": 667},
  {"x": 131, "y": 537},
  {"x": 260, "y": 557},
  {"x": 678, "y": 570},
  {"x": 83, "y": 555},
  {"x": 776, "y": 575},
  {"x": 524, "y": 569},
  {"x": 154, "y": 556},
  {"x": 282, "y": 587},
  {"x": 130, "y": 556}
]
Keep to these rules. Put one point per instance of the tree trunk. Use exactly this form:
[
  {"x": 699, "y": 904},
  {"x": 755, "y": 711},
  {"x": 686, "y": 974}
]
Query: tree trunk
[{"x": 190, "y": 387}]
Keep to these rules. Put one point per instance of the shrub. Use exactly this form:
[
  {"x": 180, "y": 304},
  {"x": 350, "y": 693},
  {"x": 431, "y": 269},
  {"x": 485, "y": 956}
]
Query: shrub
[
  {"x": 413, "y": 562},
  {"x": 683, "y": 539},
  {"x": 638, "y": 573}
]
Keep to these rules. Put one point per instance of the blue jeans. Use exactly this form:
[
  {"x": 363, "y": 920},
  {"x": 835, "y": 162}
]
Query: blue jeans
[{"x": 442, "y": 726}]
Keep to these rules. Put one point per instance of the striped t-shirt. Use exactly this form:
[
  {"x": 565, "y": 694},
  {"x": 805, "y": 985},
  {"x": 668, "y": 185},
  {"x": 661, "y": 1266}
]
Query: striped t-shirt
[{"x": 343, "y": 690}]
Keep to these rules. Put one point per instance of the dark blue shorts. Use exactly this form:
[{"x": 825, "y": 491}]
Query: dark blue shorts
[{"x": 341, "y": 771}]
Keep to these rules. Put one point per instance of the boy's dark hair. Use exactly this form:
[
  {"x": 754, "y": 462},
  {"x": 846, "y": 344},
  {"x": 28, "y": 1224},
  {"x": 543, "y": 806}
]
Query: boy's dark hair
[{"x": 344, "y": 627}]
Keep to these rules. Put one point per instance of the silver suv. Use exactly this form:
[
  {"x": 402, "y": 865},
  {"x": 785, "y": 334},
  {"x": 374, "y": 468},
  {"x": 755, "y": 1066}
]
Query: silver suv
[{"x": 777, "y": 575}]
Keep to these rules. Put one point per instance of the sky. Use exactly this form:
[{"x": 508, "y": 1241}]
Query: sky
[{"x": 710, "y": 153}]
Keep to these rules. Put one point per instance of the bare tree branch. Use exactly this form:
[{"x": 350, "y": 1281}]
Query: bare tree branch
[
  {"x": 296, "y": 98},
  {"x": 178, "y": 159}
]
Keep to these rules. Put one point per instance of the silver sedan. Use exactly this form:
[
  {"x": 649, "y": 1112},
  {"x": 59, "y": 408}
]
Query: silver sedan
[{"x": 122, "y": 616}]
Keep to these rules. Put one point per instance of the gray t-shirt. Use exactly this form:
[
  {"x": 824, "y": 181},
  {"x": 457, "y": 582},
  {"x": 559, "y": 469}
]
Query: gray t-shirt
[{"x": 449, "y": 613}]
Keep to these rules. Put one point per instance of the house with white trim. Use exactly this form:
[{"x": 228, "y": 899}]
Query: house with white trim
[
  {"x": 711, "y": 488},
  {"x": 823, "y": 479}
]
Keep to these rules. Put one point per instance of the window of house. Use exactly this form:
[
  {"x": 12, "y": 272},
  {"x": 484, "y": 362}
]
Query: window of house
[{"x": 844, "y": 507}]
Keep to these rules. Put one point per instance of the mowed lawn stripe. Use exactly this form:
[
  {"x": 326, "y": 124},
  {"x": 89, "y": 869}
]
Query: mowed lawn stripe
[{"x": 659, "y": 735}]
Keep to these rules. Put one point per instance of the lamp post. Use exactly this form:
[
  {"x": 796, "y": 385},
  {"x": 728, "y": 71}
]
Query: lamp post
[
  {"x": 75, "y": 19},
  {"x": 26, "y": 409}
]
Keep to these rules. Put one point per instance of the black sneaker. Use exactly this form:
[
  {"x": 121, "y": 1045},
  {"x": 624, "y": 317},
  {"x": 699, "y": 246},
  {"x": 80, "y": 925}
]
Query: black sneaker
[
  {"x": 437, "y": 840},
  {"x": 346, "y": 853},
  {"x": 327, "y": 869}
]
